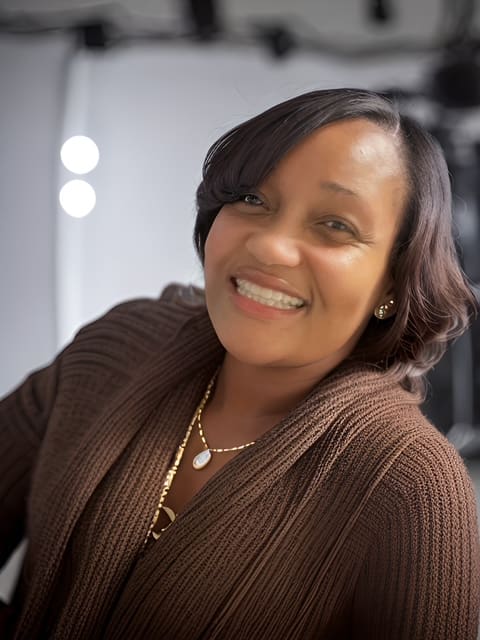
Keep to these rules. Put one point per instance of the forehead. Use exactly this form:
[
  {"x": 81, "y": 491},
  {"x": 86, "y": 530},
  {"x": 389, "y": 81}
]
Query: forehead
[
  {"x": 358, "y": 155},
  {"x": 351, "y": 145}
]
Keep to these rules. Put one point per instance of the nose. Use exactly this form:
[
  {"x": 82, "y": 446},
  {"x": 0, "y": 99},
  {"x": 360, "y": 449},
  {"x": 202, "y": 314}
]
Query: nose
[{"x": 274, "y": 247}]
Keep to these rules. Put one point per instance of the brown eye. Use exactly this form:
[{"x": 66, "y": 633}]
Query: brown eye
[
  {"x": 338, "y": 225},
  {"x": 251, "y": 199}
]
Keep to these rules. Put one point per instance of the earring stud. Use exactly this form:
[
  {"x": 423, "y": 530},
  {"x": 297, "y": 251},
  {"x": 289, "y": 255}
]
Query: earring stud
[{"x": 381, "y": 312}]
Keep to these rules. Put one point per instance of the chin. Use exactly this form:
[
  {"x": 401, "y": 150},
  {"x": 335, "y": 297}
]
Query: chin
[
  {"x": 254, "y": 356},
  {"x": 252, "y": 352}
]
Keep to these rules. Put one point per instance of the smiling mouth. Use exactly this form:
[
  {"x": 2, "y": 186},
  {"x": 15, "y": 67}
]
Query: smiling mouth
[{"x": 268, "y": 297}]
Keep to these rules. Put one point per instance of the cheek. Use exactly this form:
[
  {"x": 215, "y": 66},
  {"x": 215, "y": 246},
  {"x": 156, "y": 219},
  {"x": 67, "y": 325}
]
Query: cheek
[
  {"x": 351, "y": 271},
  {"x": 219, "y": 248},
  {"x": 223, "y": 238},
  {"x": 214, "y": 243}
]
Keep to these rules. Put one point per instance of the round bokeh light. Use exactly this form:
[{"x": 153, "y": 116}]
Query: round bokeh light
[
  {"x": 79, "y": 154},
  {"x": 77, "y": 198}
]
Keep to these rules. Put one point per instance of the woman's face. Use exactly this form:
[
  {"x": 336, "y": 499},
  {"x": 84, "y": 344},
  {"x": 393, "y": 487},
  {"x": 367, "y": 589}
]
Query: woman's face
[{"x": 295, "y": 268}]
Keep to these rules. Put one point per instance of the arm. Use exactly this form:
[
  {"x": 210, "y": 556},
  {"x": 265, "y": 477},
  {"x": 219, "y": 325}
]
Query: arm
[
  {"x": 421, "y": 579},
  {"x": 122, "y": 337},
  {"x": 23, "y": 418}
]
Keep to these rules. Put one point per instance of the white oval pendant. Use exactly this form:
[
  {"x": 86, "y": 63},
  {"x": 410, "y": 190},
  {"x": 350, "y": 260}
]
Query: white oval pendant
[{"x": 202, "y": 459}]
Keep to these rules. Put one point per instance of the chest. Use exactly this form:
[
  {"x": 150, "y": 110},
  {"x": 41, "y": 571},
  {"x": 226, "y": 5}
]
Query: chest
[
  {"x": 247, "y": 527},
  {"x": 188, "y": 479},
  {"x": 236, "y": 555}
]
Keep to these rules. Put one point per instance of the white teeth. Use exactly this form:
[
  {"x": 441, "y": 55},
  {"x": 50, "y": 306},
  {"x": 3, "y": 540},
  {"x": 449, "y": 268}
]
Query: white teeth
[{"x": 269, "y": 297}]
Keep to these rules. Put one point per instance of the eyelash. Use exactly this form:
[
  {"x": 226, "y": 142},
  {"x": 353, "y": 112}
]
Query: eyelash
[
  {"x": 243, "y": 198},
  {"x": 345, "y": 227}
]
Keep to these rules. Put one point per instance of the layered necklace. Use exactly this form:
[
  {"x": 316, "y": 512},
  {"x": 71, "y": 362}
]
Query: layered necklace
[
  {"x": 199, "y": 461},
  {"x": 203, "y": 458}
]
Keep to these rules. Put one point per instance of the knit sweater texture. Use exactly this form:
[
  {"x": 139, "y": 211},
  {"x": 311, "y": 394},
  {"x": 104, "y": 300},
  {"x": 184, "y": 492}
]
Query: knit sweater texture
[{"x": 351, "y": 518}]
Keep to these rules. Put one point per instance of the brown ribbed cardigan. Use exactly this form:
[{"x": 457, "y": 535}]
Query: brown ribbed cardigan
[{"x": 352, "y": 518}]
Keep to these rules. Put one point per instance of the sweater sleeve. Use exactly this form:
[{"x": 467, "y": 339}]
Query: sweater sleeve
[
  {"x": 421, "y": 579},
  {"x": 129, "y": 328},
  {"x": 23, "y": 418}
]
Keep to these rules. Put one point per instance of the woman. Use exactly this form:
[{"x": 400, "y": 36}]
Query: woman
[{"x": 260, "y": 468}]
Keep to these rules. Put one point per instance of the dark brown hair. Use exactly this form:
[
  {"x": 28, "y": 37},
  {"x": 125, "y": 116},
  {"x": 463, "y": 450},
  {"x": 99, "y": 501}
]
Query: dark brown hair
[{"x": 434, "y": 299}]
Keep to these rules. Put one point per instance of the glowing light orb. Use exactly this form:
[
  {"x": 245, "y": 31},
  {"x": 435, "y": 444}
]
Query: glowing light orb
[
  {"x": 77, "y": 198},
  {"x": 79, "y": 154}
]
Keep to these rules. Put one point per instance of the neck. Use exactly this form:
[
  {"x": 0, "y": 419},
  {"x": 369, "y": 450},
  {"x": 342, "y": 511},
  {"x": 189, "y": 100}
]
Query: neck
[{"x": 258, "y": 394}]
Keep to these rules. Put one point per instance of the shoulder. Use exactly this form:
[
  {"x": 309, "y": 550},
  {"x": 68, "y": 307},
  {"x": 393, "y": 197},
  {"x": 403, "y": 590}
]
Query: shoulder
[
  {"x": 424, "y": 483},
  {"x": 131, "y": 330},
  {"x": 150, "y": 318},
  {"x": 416, "y": 489},
  {"x": 420, "y": 458},
  {"x": 422, "y": 550},
  {"x": 430, "y": 473},
  {"x": 394, "y": 452}
]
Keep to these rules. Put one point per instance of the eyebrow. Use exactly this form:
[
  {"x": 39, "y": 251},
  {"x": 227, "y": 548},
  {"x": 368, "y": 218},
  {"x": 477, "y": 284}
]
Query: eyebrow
[{"x": 338, "y": 188}]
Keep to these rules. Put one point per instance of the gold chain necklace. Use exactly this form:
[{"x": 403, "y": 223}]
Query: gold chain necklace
[
  {"x": 178, "y": 457},
  {"x": 173, "y": 470},
  {"x": 203, "y": 458}
]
